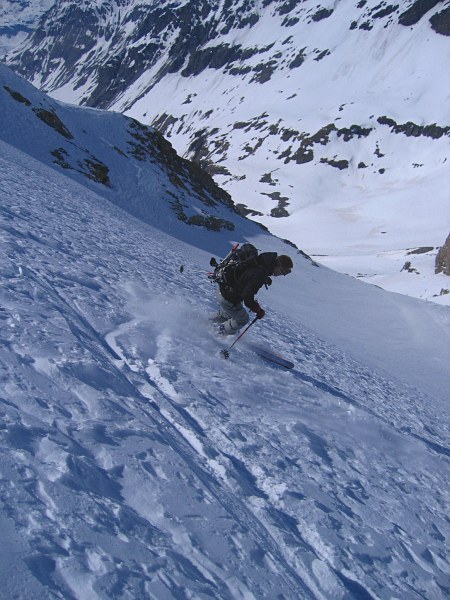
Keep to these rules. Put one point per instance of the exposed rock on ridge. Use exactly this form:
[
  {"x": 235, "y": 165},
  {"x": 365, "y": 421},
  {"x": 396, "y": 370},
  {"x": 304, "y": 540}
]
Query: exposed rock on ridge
[{"x": 443, "y": 258}]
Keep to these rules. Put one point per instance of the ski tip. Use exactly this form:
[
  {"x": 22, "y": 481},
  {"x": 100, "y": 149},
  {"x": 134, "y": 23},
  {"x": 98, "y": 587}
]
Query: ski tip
[{"x": 273, "y": 357}]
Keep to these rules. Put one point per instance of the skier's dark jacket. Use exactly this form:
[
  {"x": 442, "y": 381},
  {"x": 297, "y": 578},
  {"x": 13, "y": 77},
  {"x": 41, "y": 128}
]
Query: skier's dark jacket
[{"x": 250, "y": 280}]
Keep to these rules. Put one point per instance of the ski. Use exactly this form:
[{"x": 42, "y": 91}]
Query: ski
[{"x": 273, "y": 357}]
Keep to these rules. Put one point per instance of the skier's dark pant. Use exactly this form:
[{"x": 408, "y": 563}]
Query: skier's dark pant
[{"x": 235, "y": 314}]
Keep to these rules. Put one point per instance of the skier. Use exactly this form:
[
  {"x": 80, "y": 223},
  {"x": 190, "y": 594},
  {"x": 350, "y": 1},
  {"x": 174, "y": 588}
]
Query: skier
[{"x": 232, "y": 315}]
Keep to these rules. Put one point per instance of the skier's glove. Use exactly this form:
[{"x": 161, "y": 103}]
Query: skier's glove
[{"x": 260, "y": 312}]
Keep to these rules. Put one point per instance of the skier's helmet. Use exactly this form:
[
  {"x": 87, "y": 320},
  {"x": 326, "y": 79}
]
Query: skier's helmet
[{"x": 285, "y": 263}]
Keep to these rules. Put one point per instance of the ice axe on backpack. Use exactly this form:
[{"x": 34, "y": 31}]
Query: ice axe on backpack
[{"x": 226, "y": 353}]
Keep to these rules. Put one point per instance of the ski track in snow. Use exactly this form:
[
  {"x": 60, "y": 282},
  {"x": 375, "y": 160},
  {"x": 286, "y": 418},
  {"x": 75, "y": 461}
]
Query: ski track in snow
[{"x": 136, "y": 463}]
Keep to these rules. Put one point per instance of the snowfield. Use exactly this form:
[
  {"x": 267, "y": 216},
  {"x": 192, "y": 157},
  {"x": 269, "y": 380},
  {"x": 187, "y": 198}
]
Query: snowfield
[{"x": 137, "y": 463}]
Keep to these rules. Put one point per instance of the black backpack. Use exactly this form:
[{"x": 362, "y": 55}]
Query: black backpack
[{"x": 238, "y": 260}]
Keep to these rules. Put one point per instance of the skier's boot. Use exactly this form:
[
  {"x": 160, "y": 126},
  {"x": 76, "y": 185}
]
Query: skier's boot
[
  {"x": 221, "y": 330},
  {"x": 217, "y": 319}
]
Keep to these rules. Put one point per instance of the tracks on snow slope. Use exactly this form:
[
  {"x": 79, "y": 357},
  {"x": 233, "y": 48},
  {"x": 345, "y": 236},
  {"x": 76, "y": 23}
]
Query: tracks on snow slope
[
  {"x": 206, "y": 417},
  {"x": 228, "y": 473},
  {"x": 186, "y": 438}
]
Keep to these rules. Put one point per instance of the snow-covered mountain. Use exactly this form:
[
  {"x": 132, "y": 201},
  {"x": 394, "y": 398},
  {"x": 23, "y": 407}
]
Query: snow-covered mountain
[
  {"x": 136, "y": 462},
  {"x": 326, "y": 122},
  {"x": 18, "y": 19}
]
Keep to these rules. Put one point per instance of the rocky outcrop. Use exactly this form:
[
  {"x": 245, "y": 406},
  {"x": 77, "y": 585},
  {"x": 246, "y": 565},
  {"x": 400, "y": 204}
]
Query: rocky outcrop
[
  {"x": 440, "y": 22},
  {"x": 410, "y": 129},
  {"x": 416, "y": 12},
  {"x": 442, "y": 264}
]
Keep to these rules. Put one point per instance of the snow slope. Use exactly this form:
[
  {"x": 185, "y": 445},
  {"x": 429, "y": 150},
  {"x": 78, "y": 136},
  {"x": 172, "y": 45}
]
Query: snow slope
[
  {"x": 127, "y": 163},
  {"x": 137, "y": 463}
]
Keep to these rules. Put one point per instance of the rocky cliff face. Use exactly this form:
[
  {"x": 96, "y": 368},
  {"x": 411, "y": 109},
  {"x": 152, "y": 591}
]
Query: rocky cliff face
[{"x": 443, "y": 258}]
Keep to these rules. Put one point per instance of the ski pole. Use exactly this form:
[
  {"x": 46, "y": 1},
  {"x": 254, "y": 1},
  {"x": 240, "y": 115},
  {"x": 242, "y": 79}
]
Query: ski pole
[
  {"x": 226, "y": 353},
  {"x": 182, "y": 269}
]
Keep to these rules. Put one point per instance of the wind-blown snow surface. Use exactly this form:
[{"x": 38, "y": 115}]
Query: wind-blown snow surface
[{"x": 136, "y": 463}]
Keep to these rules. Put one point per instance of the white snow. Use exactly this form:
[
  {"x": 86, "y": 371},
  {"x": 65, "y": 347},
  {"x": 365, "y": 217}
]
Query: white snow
[{"x": 137, "y": 463}]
